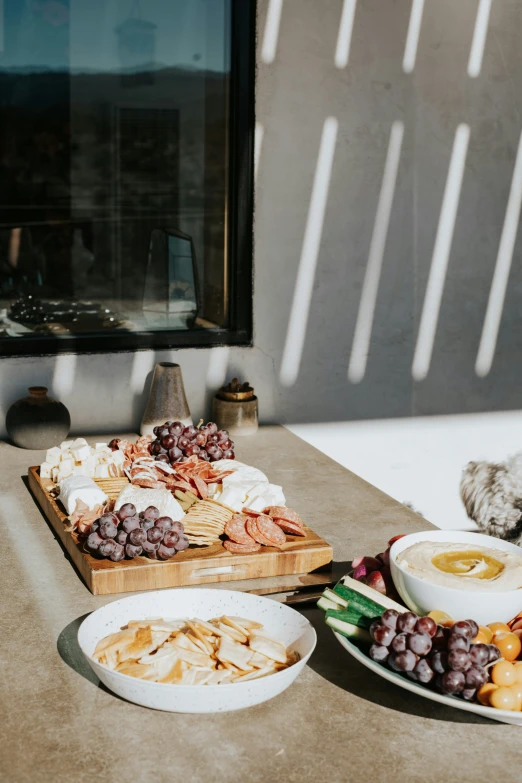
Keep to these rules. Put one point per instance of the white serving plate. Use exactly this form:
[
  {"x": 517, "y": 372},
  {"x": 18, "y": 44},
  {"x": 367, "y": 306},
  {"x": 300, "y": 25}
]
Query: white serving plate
[
  {"x": 504, "y": 716},
  {"x": 283, "y": 623},
  {"x": 421, "y": 595}
]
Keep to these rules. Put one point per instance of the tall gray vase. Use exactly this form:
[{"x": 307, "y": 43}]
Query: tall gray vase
[{"x": 167, "y": 400}]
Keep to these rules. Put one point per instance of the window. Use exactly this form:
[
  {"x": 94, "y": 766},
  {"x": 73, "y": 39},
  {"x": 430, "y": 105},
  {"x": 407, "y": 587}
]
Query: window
[{"x": 126, "y": 134}]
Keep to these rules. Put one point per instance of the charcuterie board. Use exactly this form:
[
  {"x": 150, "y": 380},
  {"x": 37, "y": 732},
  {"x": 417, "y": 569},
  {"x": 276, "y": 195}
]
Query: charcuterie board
[{"x": 194, "y": 566}]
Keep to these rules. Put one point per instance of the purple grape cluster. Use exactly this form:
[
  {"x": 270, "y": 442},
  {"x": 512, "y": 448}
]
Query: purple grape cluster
[
  {"x": 445, "y": 658},
  {"x": 174, "y": 442},
  {"x": 127, "y": 534}
]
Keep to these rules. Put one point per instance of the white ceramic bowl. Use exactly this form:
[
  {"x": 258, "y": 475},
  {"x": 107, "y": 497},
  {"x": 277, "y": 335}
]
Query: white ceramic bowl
[
  {"x": 283, "y": 623},
  {"x": 422, "y": 596}
]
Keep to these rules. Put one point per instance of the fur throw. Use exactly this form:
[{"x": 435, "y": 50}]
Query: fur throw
[{"x": 492, "y": 495}]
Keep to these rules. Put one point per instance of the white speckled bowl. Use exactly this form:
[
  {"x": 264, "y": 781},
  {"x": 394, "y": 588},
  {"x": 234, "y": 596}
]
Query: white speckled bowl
[
  {"x": 284, "y": 624},
  {"x": 422, "y": 596}
]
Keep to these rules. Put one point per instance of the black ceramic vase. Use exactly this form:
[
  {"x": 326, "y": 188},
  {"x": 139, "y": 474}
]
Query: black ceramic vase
[{"x": 37, "y": 421}]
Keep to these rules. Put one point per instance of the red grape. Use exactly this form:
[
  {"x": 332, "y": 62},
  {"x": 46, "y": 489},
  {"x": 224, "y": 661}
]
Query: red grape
[
  {"x": 182, "y": 544},
  {"x": 458, "y": 643},
  {"x": 459, "y": 660},
  {"x": 107, "y": 547},
  {"x": 474, "y": 628},
  {"x": 171, "y": 538},
  {"x": 190, "y": 432},
  {"x": 149, "y": 547},
  {"x": 439, "y": 640},
  {"x": 201, "y": 438},
  {"x": 468, "y": 693},
  {"x": 154, "y": 534},
  {"x": 176, "y": 428},
  {"x": 419, "y": 643},
  {"x": 494, "y": 652},
  {"x": 155, "y": 447},
  {"x": 108, "y": 530},
  {"x": 121, "y": 537},
  {"x": 424, "y": 671},
  {"x": 118, "y": 554},
  {"x": 462, "y": 628},
  {"x": 151, "y": 512},
  {"x": 439, "y": 661},
  {"x": 378, "y": 653},
  {"x": 94, "y": 541},
  {"x": 163, "y": 458},
  {"x": 164, "y": 524},
  {"x": 479, "y": 654},
  {"x": 476, "y": 676},
  {"x": 223, "y": 435},
  {"x": 165, "y": 552},
  {"x": 426, "y": 625},
  {"x": 146, "y": 523},
  {"x": 137, "y": 537},
  {"x": 453, "y": 682},
  {"x": 131, "y": 550},
  {"x": 127, "y": 510},
  {"x": 405, "y": 661},
  {"x": 381, "y": 634},
  {"x": 192, "y": 449},
  {"x": 183, "y": 442},
  {"x": 229, "y": 454},
  {"x": 400, "y": 642},
  {"x": 175, "y": 453},
  {"x": 163, "y": 431},
  {"x": 212, "y": 427},
  {"x": 406, "y": 622},
  {"x": 168, "y": 442},
  {"x": 213, "y": 437},
  {"x": 390, "y": 617},
  {"x": 114, "y": 444},
  {"x": 130, "y": 523},
  {"x": 204, "y": 456},
  {"x": 226, "y": 444}
]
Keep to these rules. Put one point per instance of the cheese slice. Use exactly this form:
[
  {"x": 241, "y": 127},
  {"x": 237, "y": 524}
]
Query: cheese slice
[
  {"x": 53, "y": 456},
  {"x": 141, "y": 498}
]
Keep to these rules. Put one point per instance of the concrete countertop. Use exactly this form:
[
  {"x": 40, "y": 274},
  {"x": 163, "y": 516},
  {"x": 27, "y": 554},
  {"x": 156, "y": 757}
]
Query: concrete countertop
[{"x": 338, "y": 721}]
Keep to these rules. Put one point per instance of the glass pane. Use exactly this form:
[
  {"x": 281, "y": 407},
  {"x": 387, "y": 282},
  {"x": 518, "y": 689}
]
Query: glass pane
[{"x": 113, "y": 166}]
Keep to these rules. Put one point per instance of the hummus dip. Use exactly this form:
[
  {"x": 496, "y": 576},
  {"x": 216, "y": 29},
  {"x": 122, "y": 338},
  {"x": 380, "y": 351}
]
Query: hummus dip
[{"x": 462, "y": 566}]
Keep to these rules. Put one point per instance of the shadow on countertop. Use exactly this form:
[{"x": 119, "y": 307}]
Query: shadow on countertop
[{"x": 70, "y": 652}]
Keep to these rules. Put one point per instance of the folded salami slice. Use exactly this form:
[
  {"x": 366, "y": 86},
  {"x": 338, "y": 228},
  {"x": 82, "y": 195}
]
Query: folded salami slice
[
  {"x": 252, "y": 528},
  {"x": 235, "y": 529},
  {"x": 241, "y": 549},
  {"x": 290, "y": 527},
  {"x": 282, "y": 512},
  {"x": 269, "y": 530},
  {"x": 250, "y": 512}
]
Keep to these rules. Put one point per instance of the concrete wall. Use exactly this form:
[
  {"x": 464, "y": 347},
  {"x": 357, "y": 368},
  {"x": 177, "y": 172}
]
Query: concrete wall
[{"x": 296, "y": 92}]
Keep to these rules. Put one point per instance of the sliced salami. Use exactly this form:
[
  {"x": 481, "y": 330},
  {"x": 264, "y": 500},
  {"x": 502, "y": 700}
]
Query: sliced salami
[
  {"x": 201, "y": 487},
  {"x": 269, "y": 530},
  {"x": 251, "y": 526},
  {"x": 236, "y": 530},
  {"x": 290, "y": 527},
  {"x": 241, "y": 549},
  {"x": 282, "y": 512},
  {"x": 250, "y": 512}
]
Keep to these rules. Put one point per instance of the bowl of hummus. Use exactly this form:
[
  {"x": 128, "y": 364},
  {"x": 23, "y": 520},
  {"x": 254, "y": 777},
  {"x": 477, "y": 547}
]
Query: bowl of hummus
[{"x": 467, "y": 575}]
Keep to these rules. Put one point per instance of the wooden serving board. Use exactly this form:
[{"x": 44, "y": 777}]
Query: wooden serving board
[{"x": 194, "y": 566}]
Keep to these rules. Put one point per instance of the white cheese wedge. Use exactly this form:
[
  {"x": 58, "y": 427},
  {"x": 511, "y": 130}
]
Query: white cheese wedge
[
  {"x": 101, "y": 471},
  {"x": 45, "y": 470},
  {"x": 141, "y": 498},
  {"x": 81, "y": 452},
  {"x": 65, "y": 445},
  {"x": 265, "y": 495},
  {"x": 53, "y": 456},
  {"x": 89, "y": 465},
  {"x": 118, "y": 457},
  {"x": 65, "y": 468},
  {"x": 77, "y": 443},
  {"x": 81, "y": 488},
  {"x": 99, "y": 446}
]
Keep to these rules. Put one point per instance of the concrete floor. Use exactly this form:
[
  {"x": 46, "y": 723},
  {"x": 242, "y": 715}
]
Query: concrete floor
[{"x": 419, "y": 460}]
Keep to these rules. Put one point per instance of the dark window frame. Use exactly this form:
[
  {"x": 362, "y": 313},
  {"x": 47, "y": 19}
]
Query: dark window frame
[{"x": 240, "y": 228}]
